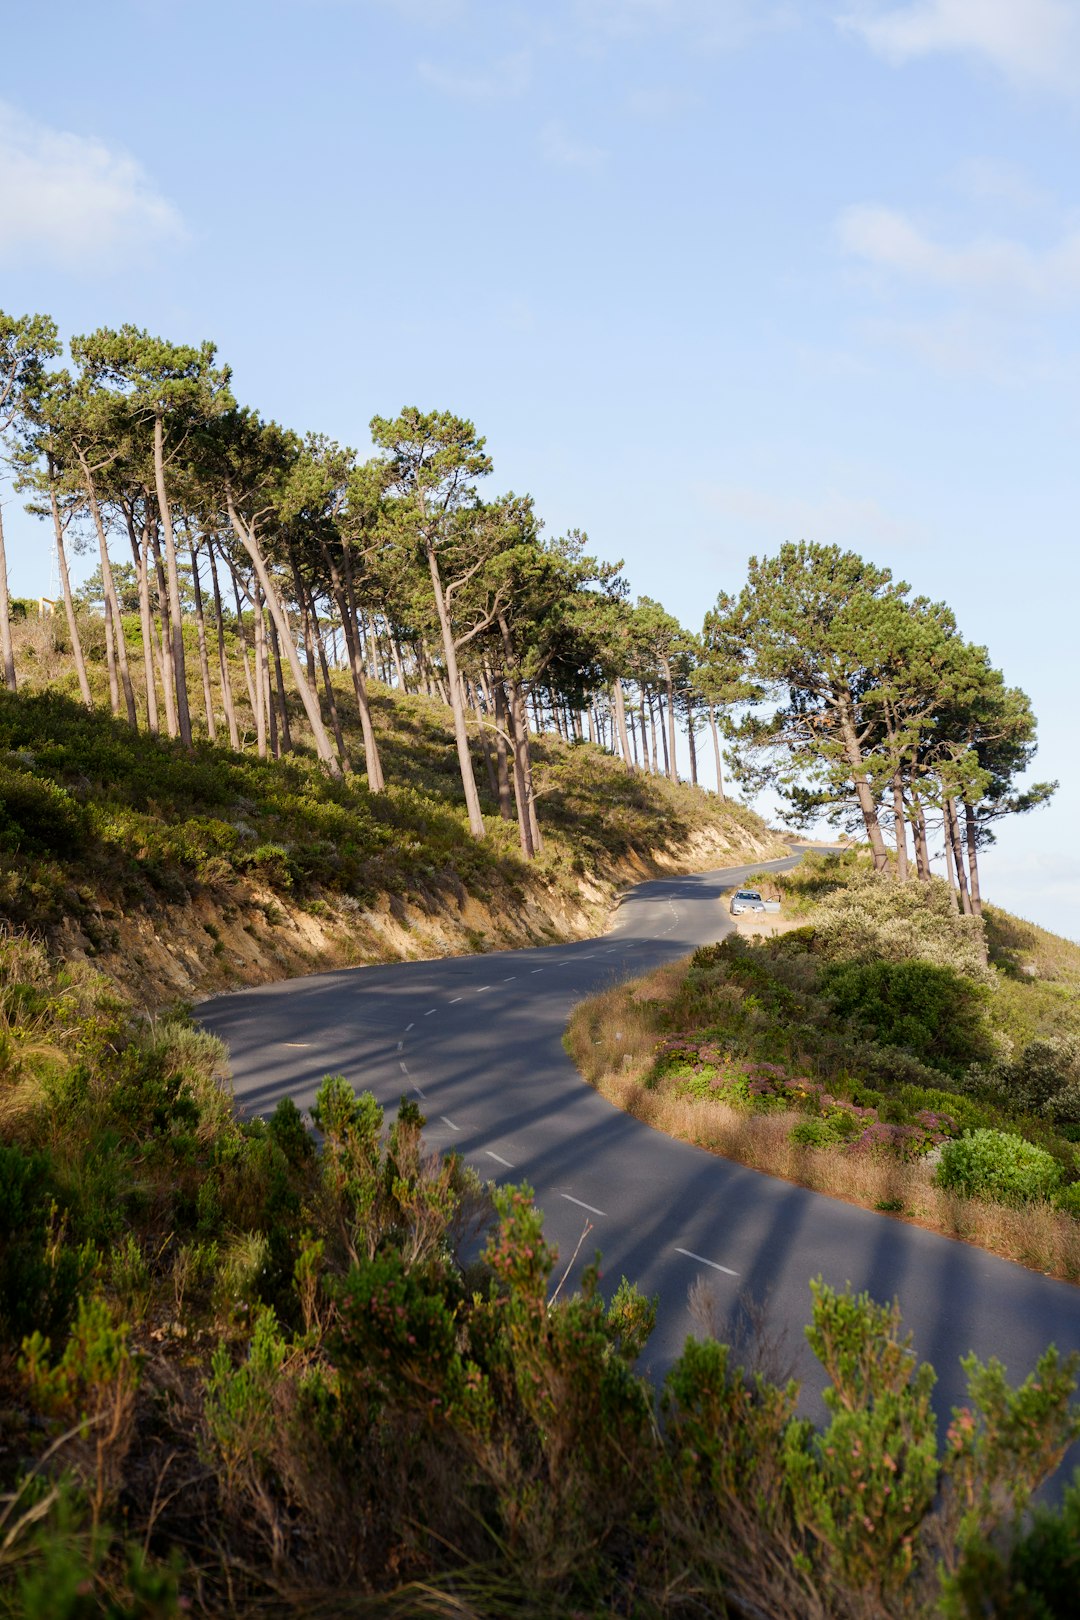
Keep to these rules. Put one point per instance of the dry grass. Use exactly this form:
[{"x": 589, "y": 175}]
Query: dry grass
[{"x": 612, "y": 1039}]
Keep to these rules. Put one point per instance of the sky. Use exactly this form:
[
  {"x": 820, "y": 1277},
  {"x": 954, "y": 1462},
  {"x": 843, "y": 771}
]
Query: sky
[{"x": 709, "y": 275}]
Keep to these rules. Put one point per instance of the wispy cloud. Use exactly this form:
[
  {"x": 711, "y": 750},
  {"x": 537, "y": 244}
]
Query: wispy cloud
[
  {"x": 889, "y": 240},
  {"x": 1032, "y": 42},
  {"x": 71, "y": 200},
  {"x": 716, "y": 24},
  {"x": 558, "y": 146},
  {"x": 504, "y": 80},
  {"x": 831, "y": 517}
]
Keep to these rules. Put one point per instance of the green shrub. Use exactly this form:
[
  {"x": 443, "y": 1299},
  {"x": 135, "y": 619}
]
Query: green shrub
[
  {"x": 930, "y": 1011},
  {"x": 1004, "y": 1169}
]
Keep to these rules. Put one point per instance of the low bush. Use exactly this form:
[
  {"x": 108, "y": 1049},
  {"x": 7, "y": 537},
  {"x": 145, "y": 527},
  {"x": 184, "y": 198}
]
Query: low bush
[{"x": 1005, "y": 1169}]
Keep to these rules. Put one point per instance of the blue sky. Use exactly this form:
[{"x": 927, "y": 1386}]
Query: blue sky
[{"x": 709, "y": 274}]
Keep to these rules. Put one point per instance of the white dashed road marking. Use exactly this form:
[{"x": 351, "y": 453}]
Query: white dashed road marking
[
  {"x": 498, "y": 1159},
  {"x": 690, "y": 1255},
  {"x": 449, "y": 1122},
  {"x": 580, "y": 1202},
  {"x": 453, "y": 999}
]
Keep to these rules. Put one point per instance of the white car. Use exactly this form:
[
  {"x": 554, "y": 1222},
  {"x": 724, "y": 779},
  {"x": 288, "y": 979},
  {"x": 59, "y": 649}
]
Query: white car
[{"x": 750, "y": 900}]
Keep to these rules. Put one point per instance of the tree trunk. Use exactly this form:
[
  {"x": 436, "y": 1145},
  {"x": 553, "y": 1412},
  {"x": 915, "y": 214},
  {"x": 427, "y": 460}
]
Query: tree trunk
[
  {"x": 118, "y": 650},
  {"x": 323, "y": 746},
  {"x": 110, "y": 661},
  {"x": 669, "y": 688},
  {"x": 950, "y": 867},
  {"x": 327, "y": 684},
  {"x": 241, "y": 636},
  {"x": 141, "y": 556},
  {"x": 971, "y": 829},
  {"x": 353, "y": 633},
  {"x": 691, "y": 744},
  {"x": 531, "y": 841},
  {"x": 262, "y": 690},
  {"x": 200, "y": 631},
  {"x": 223, "y": 661},
  {"x": 900, "y": 819},
  {"x": 179, "y": 666},
  {"x": 664, "y": 736},
  {"x": 716, "y": 752},
  {"x": 69, "y": 604},
  {"x": 168, "y": 684},
  {"x": 485, "y": 746},
  {"x": 620, "y": 721},
  {"x": 501, "y": 760},
  {"x": 853, "y": 755},
  {"x": 279, "y": 683},
  {"x": 952, "y": 833},
  {"x": 461, "y": 736},
  {"x": 922, "y": 847},
  {"x": 7, "y": 651}
]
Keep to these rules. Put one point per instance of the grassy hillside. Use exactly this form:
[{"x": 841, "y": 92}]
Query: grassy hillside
[
  {"x": 870, "y": 1052},
  {"x": 201, "y": 870}
]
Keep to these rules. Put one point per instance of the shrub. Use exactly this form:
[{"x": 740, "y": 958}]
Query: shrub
[
  {"x": 930, "y": 1011},
  {"x": 1004, "y": 1169}
]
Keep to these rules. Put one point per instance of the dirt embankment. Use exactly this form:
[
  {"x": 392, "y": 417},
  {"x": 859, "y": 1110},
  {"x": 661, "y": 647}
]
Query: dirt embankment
[{"x": 241, "y": 934}]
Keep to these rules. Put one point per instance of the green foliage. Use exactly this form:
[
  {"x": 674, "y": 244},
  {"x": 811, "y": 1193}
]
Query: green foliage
[
  {"x": 1005, "y": 1169},
  {"x": 932, "y": 1012}
]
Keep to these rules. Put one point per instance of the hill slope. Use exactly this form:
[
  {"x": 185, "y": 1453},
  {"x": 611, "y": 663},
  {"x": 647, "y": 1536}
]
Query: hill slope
[{"x": 185, "y": 873}]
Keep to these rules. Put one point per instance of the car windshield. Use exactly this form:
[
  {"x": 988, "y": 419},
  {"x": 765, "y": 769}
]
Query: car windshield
[{"x": 748, "y": 894}]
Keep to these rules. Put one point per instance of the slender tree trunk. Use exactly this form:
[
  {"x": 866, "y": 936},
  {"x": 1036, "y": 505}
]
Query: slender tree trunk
[
  {"x": 642, "y": 727},
  {"x": 501, "y": 760},
  {"x": 262, "y": 690},
  {"x": 249, "y": 541},
  {"x": 669, "y": 759},
  {"x": 118, "y": 649},
  {"x": 69, "y": 604},
  {"x": 922, "y": 843},
  {"x": 279, "y": 683},
  {"x": 592, "y": 722},
  {"x": 691, "y": 744},
  {"x": 223, "y": 661},
  {"x": 241, "y": 636},
  {"x": 179, "y": 665},
  {"x": 950, "y": 867},
  {"x": 200, "y": 631},
  {"x": 110, "y": 661},
  {"x": 7, "y": 651},
  {"x": 652, "y": 733},
  {"x": 620, "y": 721},
  {"x": 531, "y": 840},
  {"x": 669, "y": 688},
  {"x": 853, "y": 755},
  {"x": 971, "y": 830},
  {"x": 900, "y": 818},
  {"x": 633, "y": 741},
  {"x": 331, "y": 700},
  {"x": 461, "y": 736},
  {"x": 716, "y": 753},
  {"x": 485, "y": 745},
  {"x": 353, "y": 633},
  {"x": 952, "y": 834},
  {"x": 168, "y": 682},
  {"x": 140, "y": 552}
]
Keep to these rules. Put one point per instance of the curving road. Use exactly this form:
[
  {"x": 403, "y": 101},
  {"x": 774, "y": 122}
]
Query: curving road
[{"x": 478, "y": 1041}]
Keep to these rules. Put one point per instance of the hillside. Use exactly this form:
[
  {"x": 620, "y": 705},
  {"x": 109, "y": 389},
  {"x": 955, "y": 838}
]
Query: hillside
[
  {"x": 865, "y": 1048},
  {"x": 181, "y": 873}
]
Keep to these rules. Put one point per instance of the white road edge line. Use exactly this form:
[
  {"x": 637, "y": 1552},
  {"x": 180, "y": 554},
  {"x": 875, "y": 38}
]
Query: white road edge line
[
  {"x": 449, "y": 1122},
  {"x": 498, "y": 1159},
  {"x": 402, "y": 1067},
  {"x": 296, "y": 1043},
  {"x": 690, "y": 1255},
  {"x": 580, "y": 1202}
]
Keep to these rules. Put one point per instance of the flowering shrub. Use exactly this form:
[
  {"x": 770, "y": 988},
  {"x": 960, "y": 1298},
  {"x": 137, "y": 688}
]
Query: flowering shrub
[{"x": 702, "y": 1069}]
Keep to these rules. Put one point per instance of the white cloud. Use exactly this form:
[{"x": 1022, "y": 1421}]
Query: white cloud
[
  {"x": 832, "y": 518},
  {"x": 889, "y": 240},
  {"x": 715, "y": 23},
  {"x": 503, "y": 81},
  {"x": 1033, "y": 42},
  {"x": 558, "y": 146},
  {"x": 71, "y": 200}
]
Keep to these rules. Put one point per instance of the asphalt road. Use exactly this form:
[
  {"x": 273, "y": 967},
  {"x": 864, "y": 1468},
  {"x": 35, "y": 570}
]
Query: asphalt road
[{"x": 478, "y": 1041}]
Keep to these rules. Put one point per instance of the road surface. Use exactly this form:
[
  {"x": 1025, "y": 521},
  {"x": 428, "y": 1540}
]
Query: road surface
[{"x": 477, "y": 1040}]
